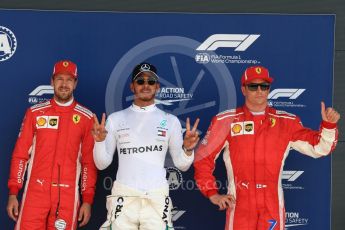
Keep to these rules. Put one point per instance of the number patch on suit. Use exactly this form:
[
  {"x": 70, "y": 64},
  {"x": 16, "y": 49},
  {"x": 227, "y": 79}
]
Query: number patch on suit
[{"x": 273, "y": 224}]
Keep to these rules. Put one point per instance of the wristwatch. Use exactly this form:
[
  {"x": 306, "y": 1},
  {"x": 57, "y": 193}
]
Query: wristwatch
[{"x": 187, "y": 150}]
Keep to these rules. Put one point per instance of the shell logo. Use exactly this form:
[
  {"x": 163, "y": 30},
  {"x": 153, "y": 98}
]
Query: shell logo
[
  {"x": 236, "y": 128},
  {"x": 41, "y": 121}
]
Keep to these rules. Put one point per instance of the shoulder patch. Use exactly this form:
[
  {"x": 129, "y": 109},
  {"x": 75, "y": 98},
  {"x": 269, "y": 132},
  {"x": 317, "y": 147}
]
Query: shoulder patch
[
  {"x": 83, "y": 110},
  {"x": 282, "y": 112},
  {"x": 227, "y": 112},
  {"x": 40, "y": 105}
]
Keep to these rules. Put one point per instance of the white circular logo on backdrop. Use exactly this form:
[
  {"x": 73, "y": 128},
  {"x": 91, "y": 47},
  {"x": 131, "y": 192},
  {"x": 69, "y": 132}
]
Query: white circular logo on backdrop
[
  {"x": 8, "y": 43},
  {"x": 171, "y": 45},
  {"x": 207, "y": 87}
]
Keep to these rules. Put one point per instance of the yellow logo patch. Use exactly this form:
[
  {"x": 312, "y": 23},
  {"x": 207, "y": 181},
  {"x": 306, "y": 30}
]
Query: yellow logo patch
[
  {"x": 236, "y": 128},
  {"x": 41, "y": 121},
  {"x": 273, "y": 122},
  {"x": 76, "y": 118},
  {"x": 258, "y": 70}
]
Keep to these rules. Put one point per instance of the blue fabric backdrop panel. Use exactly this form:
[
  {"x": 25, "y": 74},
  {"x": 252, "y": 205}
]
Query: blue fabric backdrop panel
[{"x": 200, "y": 60}]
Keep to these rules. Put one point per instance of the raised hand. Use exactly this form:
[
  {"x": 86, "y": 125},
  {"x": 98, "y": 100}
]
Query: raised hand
[
  {"x": 191, "y": 137},
  {"x": 98, "y": 131},
  {"x": 329, "y": 114}
]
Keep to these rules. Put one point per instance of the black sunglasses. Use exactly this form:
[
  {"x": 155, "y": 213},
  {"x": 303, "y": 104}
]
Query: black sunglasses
[
  {"x": 255, "y": 86},
  {"x": 141, "y": 81}
]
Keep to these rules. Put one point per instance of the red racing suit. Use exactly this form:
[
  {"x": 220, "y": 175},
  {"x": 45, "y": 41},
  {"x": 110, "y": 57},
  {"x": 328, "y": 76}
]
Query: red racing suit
[
  {"x": 55, "y": 146},
  {"x": 255, "y": 148}
]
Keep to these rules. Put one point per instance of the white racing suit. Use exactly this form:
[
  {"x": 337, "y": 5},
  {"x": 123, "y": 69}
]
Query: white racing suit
[
  {"x": 142, "y": 137},
  {"x": 127, "y": 207}
]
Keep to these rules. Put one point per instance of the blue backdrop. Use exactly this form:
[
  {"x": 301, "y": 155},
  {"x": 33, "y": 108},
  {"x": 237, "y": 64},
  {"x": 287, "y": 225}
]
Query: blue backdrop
[{"x": 200, "y": 76}]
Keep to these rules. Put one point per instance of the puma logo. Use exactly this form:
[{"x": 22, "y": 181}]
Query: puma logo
[
  {"x": 40, "y": 181},
  {"x": 245, "y": 185}
]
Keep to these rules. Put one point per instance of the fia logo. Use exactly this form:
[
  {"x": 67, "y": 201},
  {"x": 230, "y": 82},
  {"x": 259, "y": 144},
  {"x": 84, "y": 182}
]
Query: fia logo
[
  {"x": 202, "y": 58},
  {"x": 8, "y": 43}
]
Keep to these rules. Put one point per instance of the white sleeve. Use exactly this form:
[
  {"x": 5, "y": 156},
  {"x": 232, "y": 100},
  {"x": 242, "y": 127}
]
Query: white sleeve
[
  {"x": 103, "y": 152},
  {"x": 181, "y": 160}
]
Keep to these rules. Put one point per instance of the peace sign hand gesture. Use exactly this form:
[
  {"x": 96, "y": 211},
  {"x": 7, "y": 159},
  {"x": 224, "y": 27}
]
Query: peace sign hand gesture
[
  {"x": 192, "y": 136},
  {"x": 98, "y": 131}
]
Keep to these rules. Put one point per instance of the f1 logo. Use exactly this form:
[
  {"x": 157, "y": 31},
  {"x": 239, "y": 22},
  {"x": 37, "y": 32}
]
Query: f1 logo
[
  {"x": 42, "y": 89},
  {"x": 239, "y": 41},
  {"x": 290, "y": 93},
  {"x": 273, "y": 224},
  {"x": 291, "y": 175}
]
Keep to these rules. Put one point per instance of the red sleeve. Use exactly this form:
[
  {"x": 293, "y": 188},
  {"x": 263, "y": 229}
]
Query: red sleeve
[
  {"x": 314, "y": 143},
  {"x": 89, "y": 170},
  {"x": 21, "y": 153},
  {"x": 206, "y": 155}
]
